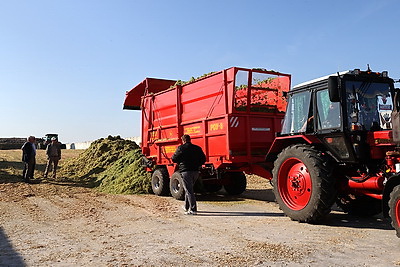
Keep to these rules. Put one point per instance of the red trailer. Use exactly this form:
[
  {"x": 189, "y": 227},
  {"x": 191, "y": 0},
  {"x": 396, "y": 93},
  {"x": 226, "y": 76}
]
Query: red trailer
[{"x": 233, "y": 114}]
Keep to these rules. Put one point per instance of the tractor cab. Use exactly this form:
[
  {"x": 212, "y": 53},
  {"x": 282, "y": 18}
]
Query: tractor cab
[
  {"x": 340, "y": 142},
  {"x": 348, "y": 112}
]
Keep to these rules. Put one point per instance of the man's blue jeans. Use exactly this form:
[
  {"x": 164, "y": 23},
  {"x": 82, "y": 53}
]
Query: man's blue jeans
[{"x": 188, "y": 179}]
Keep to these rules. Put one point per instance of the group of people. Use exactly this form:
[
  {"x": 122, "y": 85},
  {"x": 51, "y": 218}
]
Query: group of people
[
  {"x": 188, "y": 156},
  {"x": 53, "y": 152}
]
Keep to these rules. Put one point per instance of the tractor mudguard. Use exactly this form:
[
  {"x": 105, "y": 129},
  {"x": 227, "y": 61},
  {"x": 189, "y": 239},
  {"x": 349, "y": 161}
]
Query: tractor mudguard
[{"x": 282, "y": 142}]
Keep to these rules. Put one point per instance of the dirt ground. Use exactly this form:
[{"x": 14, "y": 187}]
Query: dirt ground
[{"x": 57, "y": 223}]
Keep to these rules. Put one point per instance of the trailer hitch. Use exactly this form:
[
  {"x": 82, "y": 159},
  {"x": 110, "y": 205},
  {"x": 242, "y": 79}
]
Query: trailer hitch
[{"x": 147, "y": 163}]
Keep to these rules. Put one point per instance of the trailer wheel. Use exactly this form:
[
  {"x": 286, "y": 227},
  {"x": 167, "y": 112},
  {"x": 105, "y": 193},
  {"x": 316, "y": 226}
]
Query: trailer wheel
[
  {"x": 212, "y": 188},
  {"x": 237, "y": 183},
  {"x": 363, "y": 206},
  {"x": 159, "y": 182},
  {"x": 394, "y": 209},
  {"x": 176, "y": 186},
  {"x": 303, "y": 185}
]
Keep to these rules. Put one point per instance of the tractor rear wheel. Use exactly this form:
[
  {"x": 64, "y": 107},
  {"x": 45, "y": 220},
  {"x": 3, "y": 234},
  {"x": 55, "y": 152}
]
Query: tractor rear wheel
[
  {"x": 159, "y": 182},
  {"x": 363, "y": 206},
  {"x": 303, "y": 184},
  {"x": 394, "y": 211},
  {"x": 176, "y": 186},
  {"x": 237, "y": 183}
]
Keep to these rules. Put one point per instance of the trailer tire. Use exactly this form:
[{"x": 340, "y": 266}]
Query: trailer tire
[
  {"x": 303, "y": 183},
  {"x": 176, "y": 186},
  {"x": 237, "y": 183},
  {"x": 212, "y": 188},
  {"x": 394, "y": 209},
  {"x": 363, "y": 206},
  {"x": 160, "y": 181}
]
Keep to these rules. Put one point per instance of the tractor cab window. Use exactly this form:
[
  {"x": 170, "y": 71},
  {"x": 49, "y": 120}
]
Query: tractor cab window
[
  {"x": 297, "y": 113},
  {"x": 369, "y": 105},
  {"x": 328, "y": 115}
]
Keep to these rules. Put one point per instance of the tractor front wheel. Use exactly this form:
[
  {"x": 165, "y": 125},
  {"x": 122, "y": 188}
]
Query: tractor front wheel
[
  {"x": 394, "y": 211},
  {"x": 176, "y": 186},
  {"x": 303, "y": 185}
]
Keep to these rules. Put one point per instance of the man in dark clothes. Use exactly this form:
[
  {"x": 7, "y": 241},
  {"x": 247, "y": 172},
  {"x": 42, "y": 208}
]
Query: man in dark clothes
[
  {"x": 53, "y": 152},
  {"x": 29, "y": 158},
  {"x": 189, "y": 158}
]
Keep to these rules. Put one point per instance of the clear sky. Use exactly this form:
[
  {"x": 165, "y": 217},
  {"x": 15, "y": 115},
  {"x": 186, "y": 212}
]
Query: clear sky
[{"x": 65, "y": 65}]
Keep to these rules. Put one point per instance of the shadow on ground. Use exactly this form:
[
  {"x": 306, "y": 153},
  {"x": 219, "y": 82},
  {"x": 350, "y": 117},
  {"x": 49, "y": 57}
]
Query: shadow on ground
[
  {"x": 75, "y": 182},
  {"x": 239, "y": 213},
  {"x": 8, "y": 255},
  {"x": 335, "y": 219},
  {"x": 254, "y": 194},
  {"x": 341, "y": 219},
  {"x": 11, "y": 171}
]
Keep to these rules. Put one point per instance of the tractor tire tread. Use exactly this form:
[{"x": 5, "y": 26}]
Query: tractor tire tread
[
  {"x": 322, "y": 202},
  {"x": 394, "y": 196},
  {"x": 164, "y": 183}
]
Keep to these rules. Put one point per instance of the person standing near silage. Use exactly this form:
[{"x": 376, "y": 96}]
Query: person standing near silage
[
  {"x": 53, "y": 152},
  {"x": 189, "y": 157},
  {"x": 29, "y": 158}
]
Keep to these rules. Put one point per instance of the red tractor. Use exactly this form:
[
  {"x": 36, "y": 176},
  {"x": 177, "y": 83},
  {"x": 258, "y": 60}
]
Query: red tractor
[{"x": 337, "y": 144}]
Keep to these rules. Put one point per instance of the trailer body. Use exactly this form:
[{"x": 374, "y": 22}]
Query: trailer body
[{"x": 233, "y": 114}]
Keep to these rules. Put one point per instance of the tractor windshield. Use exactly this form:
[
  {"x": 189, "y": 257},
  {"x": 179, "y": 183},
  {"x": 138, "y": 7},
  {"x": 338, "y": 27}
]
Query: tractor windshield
[{"x": 369, "y": 105}]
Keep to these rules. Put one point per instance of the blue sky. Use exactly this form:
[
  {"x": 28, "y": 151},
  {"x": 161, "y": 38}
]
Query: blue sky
[{"x": 65, "y": 65}]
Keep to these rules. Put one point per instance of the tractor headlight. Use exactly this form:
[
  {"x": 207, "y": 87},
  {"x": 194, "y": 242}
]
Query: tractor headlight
[{"x": 385, "y": 74}]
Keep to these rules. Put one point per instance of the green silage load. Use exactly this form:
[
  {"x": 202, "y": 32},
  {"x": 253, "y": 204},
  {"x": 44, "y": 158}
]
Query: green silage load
[
  {"x": 111, "y": 164},
  {"x": 126, "y": 176}
]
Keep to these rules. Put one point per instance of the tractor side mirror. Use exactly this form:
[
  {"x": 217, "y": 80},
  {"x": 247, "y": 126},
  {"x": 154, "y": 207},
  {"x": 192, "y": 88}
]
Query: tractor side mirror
[{"x": 333, "y": 89}]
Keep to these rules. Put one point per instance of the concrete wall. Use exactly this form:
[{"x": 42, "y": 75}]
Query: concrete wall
[{"x": 81, "y": 145}]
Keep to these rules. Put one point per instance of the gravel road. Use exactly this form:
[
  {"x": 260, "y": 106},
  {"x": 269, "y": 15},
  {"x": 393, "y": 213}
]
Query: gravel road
[{"x": 56, "y": 224}]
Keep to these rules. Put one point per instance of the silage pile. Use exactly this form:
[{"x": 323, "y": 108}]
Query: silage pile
[
  {"x": 113, "y": 164},
  {"x": 126, "y": 176}
]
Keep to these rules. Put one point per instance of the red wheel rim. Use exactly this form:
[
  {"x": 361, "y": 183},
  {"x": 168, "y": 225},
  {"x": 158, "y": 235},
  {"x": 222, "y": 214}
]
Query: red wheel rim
[
  {"x": 294, "y": 184},
  {"x": 397, "y": 212}
]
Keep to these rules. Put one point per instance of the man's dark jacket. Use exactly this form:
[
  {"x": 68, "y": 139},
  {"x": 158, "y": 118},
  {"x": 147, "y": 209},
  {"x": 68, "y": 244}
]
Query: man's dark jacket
[
  {"x": 27, "y": 152},
  {"x": 189, "y": 157}
]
